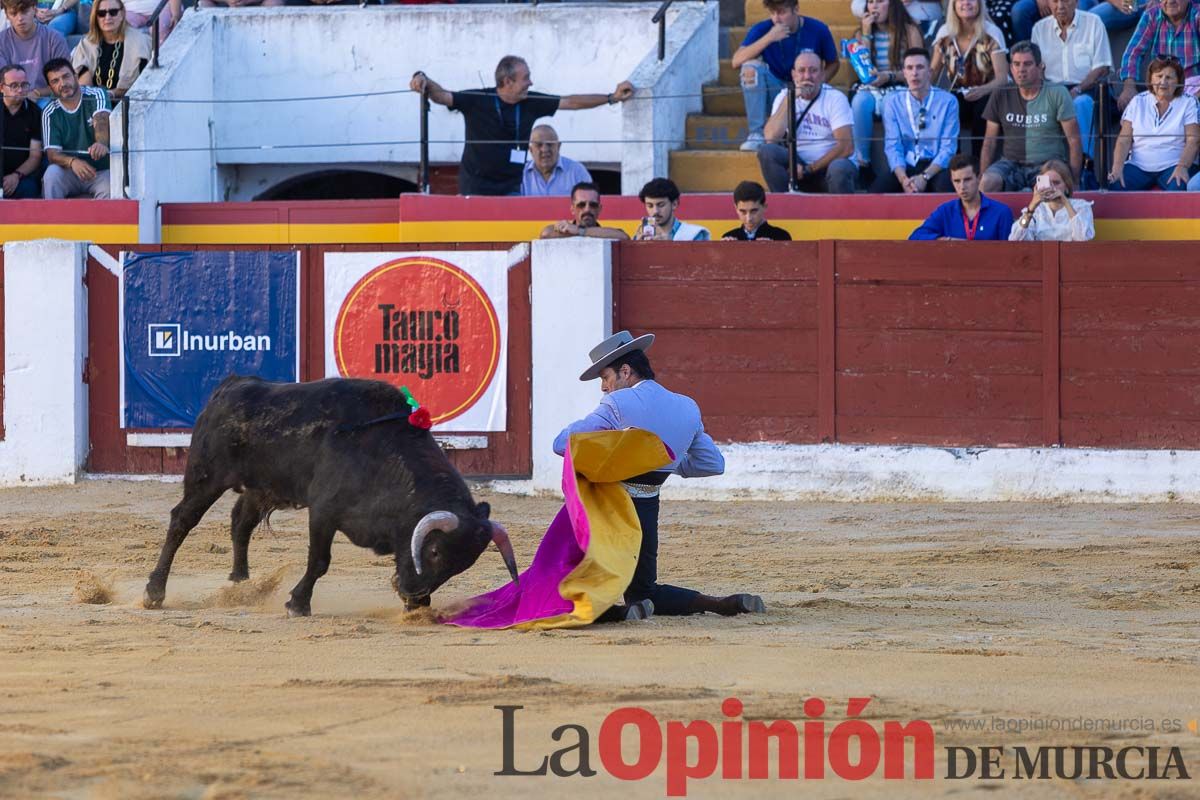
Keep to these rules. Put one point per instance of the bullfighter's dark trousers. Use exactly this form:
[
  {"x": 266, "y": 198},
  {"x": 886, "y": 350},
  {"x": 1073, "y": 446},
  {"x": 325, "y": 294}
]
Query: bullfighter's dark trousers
[{"x": 668, "y": 600}]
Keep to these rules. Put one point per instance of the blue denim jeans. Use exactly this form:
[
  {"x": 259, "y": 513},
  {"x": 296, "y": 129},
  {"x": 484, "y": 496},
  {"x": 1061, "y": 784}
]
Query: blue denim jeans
[
  {"x": 863, "y": 108},
  {"x": 1085, "y": 115},
  {"x": 1137, "y": 179},
  {"x": 1113, "y": 19},
  {"x": 759, "y": 95},
  {"x": 64, "y": 23}
]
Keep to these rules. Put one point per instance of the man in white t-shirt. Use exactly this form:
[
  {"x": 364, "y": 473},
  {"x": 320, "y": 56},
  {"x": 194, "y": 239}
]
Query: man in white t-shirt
[
  {"x": 1076, "y": 53},
  {"x": 824, "y": 135}
]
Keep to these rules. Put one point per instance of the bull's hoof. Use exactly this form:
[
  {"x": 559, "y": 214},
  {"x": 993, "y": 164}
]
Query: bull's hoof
[
  {"x": 238, "y": 577},
  {"x": 153, "y": 597},
  {"x": 296, "y": 610},
  {"x": 413, "y": 603}
]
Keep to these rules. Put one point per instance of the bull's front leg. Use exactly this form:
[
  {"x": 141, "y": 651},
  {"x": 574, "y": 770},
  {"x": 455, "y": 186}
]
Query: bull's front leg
[{"x": 320, "y": 542}]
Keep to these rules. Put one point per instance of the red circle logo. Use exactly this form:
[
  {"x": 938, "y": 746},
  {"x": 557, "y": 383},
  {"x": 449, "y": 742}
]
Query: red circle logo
[{"x": 423, "y": 323}]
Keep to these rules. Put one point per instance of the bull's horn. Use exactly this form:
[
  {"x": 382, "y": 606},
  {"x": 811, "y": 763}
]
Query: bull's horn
[
  {"x": 433, "y": 521},
  {"x": 500, "y": 538}
]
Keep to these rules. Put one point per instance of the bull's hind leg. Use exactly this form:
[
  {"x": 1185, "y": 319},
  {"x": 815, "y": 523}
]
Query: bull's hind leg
[
  {"x": 248, "y": 511},
  {"x": 197, "y": 499},
  {"x": 320, "y": 543}
]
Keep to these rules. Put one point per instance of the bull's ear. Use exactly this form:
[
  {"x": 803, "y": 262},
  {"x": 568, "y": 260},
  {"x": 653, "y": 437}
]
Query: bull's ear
[{"x": 483, "y": 511}]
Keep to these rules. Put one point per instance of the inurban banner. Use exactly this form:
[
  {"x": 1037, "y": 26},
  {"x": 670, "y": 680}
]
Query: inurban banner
[
  {"x": 189, "y": 320},
  {"x": 434, "y": 322}
]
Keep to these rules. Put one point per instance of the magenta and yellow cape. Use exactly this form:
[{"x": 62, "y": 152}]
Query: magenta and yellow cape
[{"x": 589, "y": 552}]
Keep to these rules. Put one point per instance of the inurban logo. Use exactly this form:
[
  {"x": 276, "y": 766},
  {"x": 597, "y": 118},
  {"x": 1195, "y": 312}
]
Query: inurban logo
[
  {"x": 168, "y": 339},
  {"x": 164, "y": 339}
]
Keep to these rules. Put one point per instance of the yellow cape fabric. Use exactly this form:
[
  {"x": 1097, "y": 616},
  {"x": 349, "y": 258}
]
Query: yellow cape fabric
[{"x": 602, "y": 459}]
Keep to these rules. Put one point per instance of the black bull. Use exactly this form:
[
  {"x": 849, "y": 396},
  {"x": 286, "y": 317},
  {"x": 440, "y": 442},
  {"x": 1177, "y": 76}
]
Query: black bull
[{"x": 345, "y": 450}]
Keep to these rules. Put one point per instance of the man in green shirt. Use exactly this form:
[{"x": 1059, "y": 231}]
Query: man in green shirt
[
  {"x": 1037, "y": 121},
  {"x": 74, "y": 135}
]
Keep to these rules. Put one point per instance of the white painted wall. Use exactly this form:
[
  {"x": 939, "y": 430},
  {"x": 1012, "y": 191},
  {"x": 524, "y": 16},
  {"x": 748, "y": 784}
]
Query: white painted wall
[
  {"x": 572, "y": 310},
  {"x": 256, "y": 54},
  {"x": 45, "y": 341},
  {"x": 671, "y": 85},
  {"x": 171, "y": 119}
]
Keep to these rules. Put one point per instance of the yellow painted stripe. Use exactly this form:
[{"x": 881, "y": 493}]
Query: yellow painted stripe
[
  {"x": 347, "y": 233},
  {"x": 100, "y": 234},
  {"x": 267, "y": 233}
]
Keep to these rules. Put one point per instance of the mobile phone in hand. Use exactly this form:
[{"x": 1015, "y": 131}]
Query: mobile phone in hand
[{"x": 1042, "y": 184}]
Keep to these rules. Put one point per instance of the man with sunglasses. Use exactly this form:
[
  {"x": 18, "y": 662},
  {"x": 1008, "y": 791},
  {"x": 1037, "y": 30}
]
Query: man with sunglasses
[
  {"x": 585, "y": 217},
  {"x": 1170, "y": 29},
  {"x": 920, "y": 132},
  {"x": 547, "y": 173},
  {"x": 22, "y": 139}
]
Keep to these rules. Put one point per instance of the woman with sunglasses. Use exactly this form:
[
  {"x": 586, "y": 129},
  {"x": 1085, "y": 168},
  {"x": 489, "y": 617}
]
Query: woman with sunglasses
[
  {"x": 1160, "y": 133},
  {"x": 113, "y": 53}
]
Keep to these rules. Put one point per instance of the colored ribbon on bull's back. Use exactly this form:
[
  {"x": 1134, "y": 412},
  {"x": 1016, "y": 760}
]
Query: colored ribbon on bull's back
[{"x": 587, "y": 557}]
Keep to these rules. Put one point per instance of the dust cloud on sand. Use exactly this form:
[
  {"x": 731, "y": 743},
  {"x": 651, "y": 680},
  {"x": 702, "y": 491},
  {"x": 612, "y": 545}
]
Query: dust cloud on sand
[{"x": 959, "y": 614}]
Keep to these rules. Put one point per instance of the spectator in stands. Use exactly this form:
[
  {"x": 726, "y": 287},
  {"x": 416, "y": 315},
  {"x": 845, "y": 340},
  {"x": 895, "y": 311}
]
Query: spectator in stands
[
  {"x": 75, "y": 132},
  {"x": 970, "y": 58},
  {"x": 113, "y": 53},
  {"x": 927, "y": 14},
  {"x": 547, "y": 173},
  {"x": 1115, "y": 15},
  {"x": 920, "y": 132},
  {"x": 499, "y": 122},
  {"x": 768, "y": 53},
  {"x": 1171, "y": 28},
  {"x": 29, "y": 44},
  {"x": 888, "y": 31},
  {"x": 1076, "y": 52},
  {"x": 970, "y": 216},
  {"x": 661, "y": 198},
  {"x": 824, "y": 135},
  {"x": 750, "y": 202},
  {"x": 138, "y": 13},
  {"x": 1052, "y": 216},
  {"x": 1160, "y": 133},
  {"x": 1037, "y": 121},
  {"x": 61, "y": 17},
  {"x": 585, "y": 217},
  {"x": 22, "y": 136}
]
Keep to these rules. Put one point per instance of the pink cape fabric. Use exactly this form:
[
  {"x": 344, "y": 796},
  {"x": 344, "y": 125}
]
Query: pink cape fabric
[{"x": 537, "y": 595}]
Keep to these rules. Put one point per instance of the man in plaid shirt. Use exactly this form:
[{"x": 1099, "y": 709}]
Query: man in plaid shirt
[{"x": 1172, "y": 29}]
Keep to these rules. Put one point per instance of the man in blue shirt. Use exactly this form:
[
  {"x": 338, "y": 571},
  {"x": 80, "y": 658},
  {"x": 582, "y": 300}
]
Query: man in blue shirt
[
  {"x": 970, "y": 216},
  {"x": 920, "y": 132},
  {"x": 766, "y": 57},
  {"x": 633, "y": 399},
  {"x": 547, "y": 173}
]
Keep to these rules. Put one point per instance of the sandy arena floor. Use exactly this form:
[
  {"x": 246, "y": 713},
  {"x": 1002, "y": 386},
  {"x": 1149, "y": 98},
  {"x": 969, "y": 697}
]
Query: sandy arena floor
[{"x": 938, "y": 612}]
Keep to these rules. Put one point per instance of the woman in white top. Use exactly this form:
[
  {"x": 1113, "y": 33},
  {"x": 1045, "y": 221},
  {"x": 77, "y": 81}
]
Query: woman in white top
[
  {"x": 1160, "y": 133},
  {"x": 1053, "y": 216},
  {"x": 971, "y": 60}
]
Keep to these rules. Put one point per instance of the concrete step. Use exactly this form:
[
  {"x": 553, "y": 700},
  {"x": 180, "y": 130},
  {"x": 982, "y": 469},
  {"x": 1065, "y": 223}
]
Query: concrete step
[
  {"x": 713, "y": 170},
  {"x": 723, "y": 101},
  {"x": 728, "y": 75},
  {"x": 708, "y": 132},
  {"x": 828, "y": 11}
]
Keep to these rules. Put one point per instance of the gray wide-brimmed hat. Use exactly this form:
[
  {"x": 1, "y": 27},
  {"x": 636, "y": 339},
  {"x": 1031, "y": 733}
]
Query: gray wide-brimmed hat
[{"x": 613, "y": 348}]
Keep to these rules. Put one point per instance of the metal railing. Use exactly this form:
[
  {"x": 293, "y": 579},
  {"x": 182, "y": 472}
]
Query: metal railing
[
  {"x": 423, "y": 158},
  {"x": 660, "y": 19}
]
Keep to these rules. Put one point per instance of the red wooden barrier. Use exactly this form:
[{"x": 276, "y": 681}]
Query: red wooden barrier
[
  {"x": 508, "y": 454},
  {"x": 937, "y": 343},
  {"x": 1, "y": 344}
]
